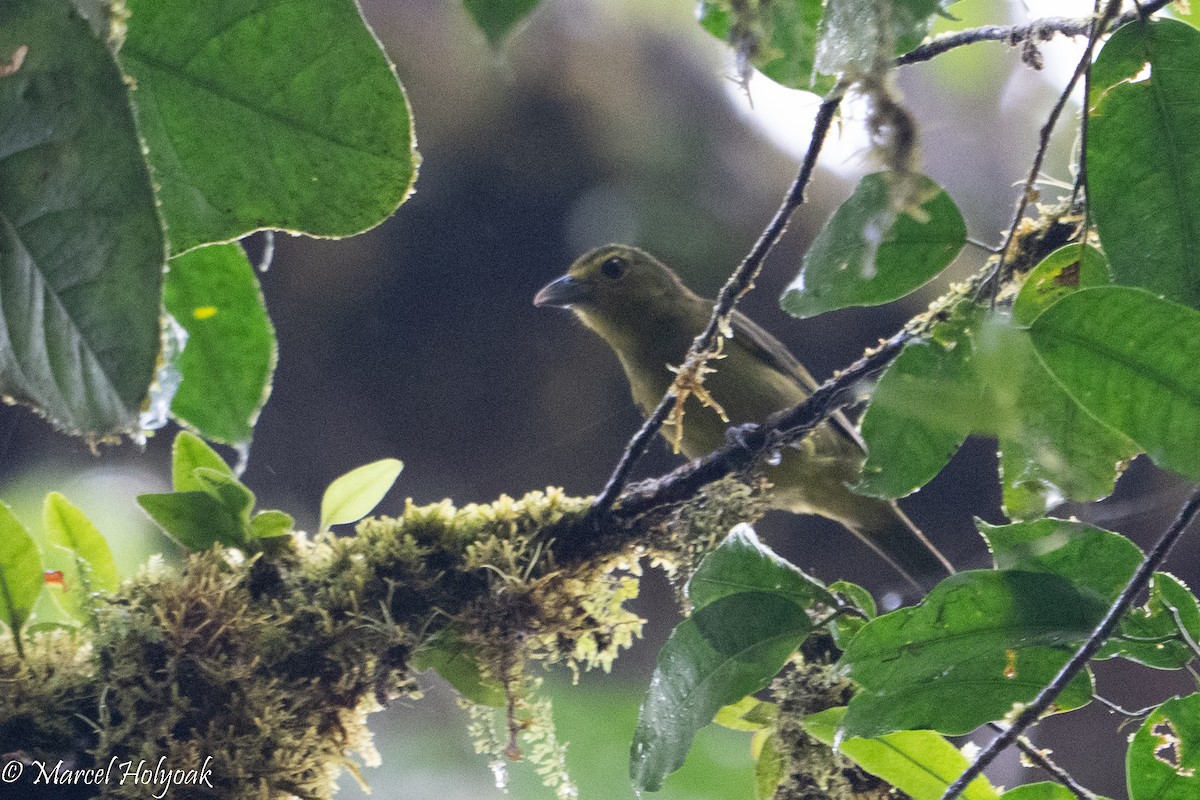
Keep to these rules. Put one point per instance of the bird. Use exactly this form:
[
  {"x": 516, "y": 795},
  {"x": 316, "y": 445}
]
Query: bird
[{"x": 649, "y": 318}]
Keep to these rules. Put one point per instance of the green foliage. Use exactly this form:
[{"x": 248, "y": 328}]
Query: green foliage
[
  {"x": 749, "y": 612},
  {"x": 226, "y": 365},
  {"x": 20, "y": 572},
  {"x": 1068, "y": 269},
  {"x": 81, "y": 243},
  {"x": 1143, "y": 156},
  {"x": 210, "y": 505},
  {"x": 498, "y": 18},
  {"x": 978, "y": 643},
  {"x": 1127, "y": 357},
  {"x": 1165, "y": 752},
  {"x": 871, "y": 252},
  {"x": 779, "y": 39},
  {"x": 853, "y": 32},
  {"x": 459, "y": 664},
  {"x": 353, "y": 495},
  {"x": 90, "y": 567},
  {"x": 921, "y": 764}
]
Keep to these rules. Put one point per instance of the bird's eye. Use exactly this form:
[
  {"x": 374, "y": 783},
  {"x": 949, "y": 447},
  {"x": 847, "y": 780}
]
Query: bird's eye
[{"x": 614, "y": 267}]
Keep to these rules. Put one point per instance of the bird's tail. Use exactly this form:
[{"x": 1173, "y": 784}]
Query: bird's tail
[{"x": 890, "y": 533}]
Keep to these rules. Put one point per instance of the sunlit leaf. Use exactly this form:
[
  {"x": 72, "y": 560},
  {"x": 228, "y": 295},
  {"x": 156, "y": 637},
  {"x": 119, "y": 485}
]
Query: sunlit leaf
[
  {"x": 1068, "y": 269},
  {"x": 92, "y": 559},
  {"x": 188, "y": 452},
  {"x": 353, "y": 495},
  {"x": 1164, "y": 755},
  {"x": 20, "y": 571}
]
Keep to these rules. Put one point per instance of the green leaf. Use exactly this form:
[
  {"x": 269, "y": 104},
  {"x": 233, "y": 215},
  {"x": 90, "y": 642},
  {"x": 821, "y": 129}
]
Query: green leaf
[
  {"x": 1164, "y": 755},
  {"x": 742, "y": 563},
  {"x": 458, "y": 663},
  {"x": 1050, "y": 448},
  {"x": 81, "y": 243},
  {"x": 768, "y": 768},
  {"x": 352, "y": 496},
  {"x": 747, "y": 714},
  {"x": 1153, "y": 635},
  {"x": 1128, "y": 357},
  {"x": 1097, "y": 561},
  {"x": 1068, "y": 269},
  {"x": 93, "y": 565},
  {"x": 263, "y": 114},
  {"x": 20, "y": 571},
  {"x": 869, "y": 253},
  {"x": 269, "y": 524},
  {"x": 779, "y": 39},
  {"x": 231, "y": 493},
  {"x": 1143, "y": 156},
  {"x": 922, "y": 764},
  {"x": 922, "y": 410},
  {"x": 844, "y": 627},
  {"x": 980, "y": 642},
  {"x": 188, "y": 452},
  {"x": 730, "y": 648},
  {"x": 1045, "y": 790},
  {"x": 195, "y": 519},
  {"x": 498, "y": 18},
  {"x": 850, "y": 30},
  {"x": 226, "y": 366}
]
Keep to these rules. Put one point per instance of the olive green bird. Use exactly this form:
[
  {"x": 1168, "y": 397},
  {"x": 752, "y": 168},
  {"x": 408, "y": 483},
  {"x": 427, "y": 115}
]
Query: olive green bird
[{"x": 649, "y": 318}]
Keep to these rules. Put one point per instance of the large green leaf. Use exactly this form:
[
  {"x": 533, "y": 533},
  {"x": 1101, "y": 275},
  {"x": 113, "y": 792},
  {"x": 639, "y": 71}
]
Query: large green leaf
[
  {"x": 226, "y": 366},
  {"x": 922, "y": 764},
  {"x": 778, "y": 38},
  {"x": 909, "y": 438},
  {"x": 1164, "y": 756},
  {"x": 851, "y": 36},
  {"x": 195, "y": 519},
  {"x": 870, "y": 253},
  {"x": 979, "y": 643},
  {"x": 1129, "y": 358},
  {"x": 81, "y": 244},
  {"x": 498, "y": 18},
  {"x": 749, "y": 612},
  {"x": 723, "y": 652},
  {"x": 267, "y": 114},
  {"x": 1143, "y": 156},
  {"x": 20, "y": 571}
]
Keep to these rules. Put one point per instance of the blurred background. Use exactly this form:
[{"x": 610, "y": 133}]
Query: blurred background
[{"x": 601, "y": 120}]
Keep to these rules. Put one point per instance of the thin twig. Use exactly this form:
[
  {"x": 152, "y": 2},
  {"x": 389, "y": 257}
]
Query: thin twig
[
  {"x": 1043, "y": 762},
  {"x": 1043, "y": 29},
  {"x": 738, "y": 284},
  {"x": 1081, "y": 167},
  {"x": 991, "y": 286},
  {"x": 1033, "y": 711}
]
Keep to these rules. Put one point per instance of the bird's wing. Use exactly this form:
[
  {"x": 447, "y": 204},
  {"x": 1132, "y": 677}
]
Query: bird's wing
[{"x": 766, "y": 347}]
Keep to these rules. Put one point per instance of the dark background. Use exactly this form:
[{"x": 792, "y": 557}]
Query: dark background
[{"x": 600, "y": 121}]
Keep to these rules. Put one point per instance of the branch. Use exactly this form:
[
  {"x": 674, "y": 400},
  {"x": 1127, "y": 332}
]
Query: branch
[
  {"x": 1139, "y": 581},
  {"x": 1043, "y": 761},
  {"x": 1043, "y": 29},
  {"x": 738, "y": 284}
]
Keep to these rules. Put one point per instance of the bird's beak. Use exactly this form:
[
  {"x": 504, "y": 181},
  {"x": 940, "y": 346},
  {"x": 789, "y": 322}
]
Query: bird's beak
[{"x": 562, "y": 293}]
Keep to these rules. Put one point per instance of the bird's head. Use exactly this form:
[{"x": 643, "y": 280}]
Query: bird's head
[{"x": 614, "y": 282}]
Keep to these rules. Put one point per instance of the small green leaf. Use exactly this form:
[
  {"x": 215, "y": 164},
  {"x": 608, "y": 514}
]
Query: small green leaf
[
  {"x": 730, "y": 648},
  {"x": 196, "y": 520},
  {"x": 231, "y": 493},
  {"x": 498, "y": 18},
  {"x": 1068, "y": 269},
  {"x": 742, "y": 563},
  {"x": 869, "y": 253},
  {"x": 747, "y": 714},
  {"x": 980, "y": 642},
  {"x": 458, "y": 663},
  {"x": 1164, "y": 756},
  {"x": 1143, "y": 156},
  {"x": 922, "y": 764},
  {"x": 269, "y": 524},
  {"x": 1044, "y": 790},
  {"x": 1153, "y": 635},
  {"x": 66, "y": 526},
  {"x": 20, "y": 571},
  {"x": 844, "y": 627},
  {"x": 261, "y": 114},
  {"x": 352, "y": 496},
  {"x": 858, "y": 596},
  {"x": 779, "y": 39},
  {"x": 1094, "y": 560},
  {"x": 922, "y": 410},
  {"x": 1128, "y": 358},
  {"x": 81, "y": 242},
  {"x": 227, "y": 363},
  {"x": 850, "y": 34},
  {"x": 188, "y": 452}
]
